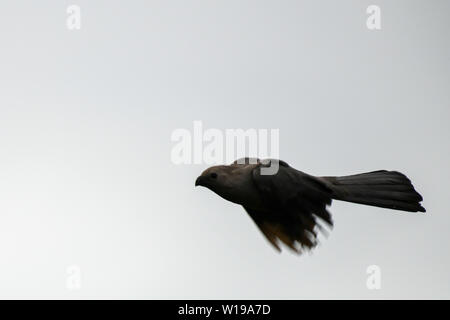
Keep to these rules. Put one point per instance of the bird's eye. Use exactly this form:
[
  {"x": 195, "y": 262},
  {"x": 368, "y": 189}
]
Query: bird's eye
[{"x": 213, "y": 175}]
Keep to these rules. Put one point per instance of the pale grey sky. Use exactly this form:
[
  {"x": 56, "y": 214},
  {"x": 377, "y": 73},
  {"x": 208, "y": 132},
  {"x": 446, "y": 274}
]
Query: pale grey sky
[{"x": 86, "y": 117}]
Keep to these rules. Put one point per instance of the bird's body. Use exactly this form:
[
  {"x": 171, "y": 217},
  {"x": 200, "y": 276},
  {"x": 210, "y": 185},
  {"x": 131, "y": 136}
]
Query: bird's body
[{"x": 285, "y": 205}]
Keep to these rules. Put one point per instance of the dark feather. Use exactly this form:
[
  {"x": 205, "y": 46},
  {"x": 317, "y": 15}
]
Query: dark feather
[
  {"x": 293, "y": 200},
  {"x": 386, "y": 189}
]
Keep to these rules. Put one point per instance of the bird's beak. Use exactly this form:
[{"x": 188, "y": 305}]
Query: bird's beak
[{"x": 198, "y": 182}]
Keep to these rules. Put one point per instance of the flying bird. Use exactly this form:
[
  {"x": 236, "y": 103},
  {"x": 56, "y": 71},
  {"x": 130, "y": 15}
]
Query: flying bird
[{"x": 290, "y": 206}]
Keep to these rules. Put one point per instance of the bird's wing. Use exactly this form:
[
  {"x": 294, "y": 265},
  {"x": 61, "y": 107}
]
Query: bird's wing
[{"x": 293, "y": 201}]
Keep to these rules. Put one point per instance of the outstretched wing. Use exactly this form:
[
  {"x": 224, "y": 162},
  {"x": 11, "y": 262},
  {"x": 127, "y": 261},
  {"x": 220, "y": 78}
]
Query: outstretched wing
[{"x": 293, "y": 202}]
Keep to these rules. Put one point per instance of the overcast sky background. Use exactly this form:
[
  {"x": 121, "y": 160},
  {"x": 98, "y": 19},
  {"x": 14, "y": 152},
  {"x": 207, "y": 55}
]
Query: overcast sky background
[{"x": 86, "y": 116}]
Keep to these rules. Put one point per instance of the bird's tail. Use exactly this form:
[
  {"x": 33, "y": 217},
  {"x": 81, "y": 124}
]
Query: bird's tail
[{"x": 386, "y": 189}]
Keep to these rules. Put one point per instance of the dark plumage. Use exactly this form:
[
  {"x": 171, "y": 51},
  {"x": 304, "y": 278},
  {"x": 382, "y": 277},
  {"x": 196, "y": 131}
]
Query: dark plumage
[{"x": 290, "y": 206}]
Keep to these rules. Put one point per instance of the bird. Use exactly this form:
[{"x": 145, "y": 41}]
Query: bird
[{"x": 290, "y": 207}]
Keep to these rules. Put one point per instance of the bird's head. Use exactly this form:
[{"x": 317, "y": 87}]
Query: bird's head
[
  {"x": 215, "y": 178},
  {"x": 231, "y": 182}
]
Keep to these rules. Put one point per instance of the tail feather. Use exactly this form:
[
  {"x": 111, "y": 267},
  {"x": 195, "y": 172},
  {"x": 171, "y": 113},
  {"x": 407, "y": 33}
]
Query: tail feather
[{"x": 386, "y": 189}]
